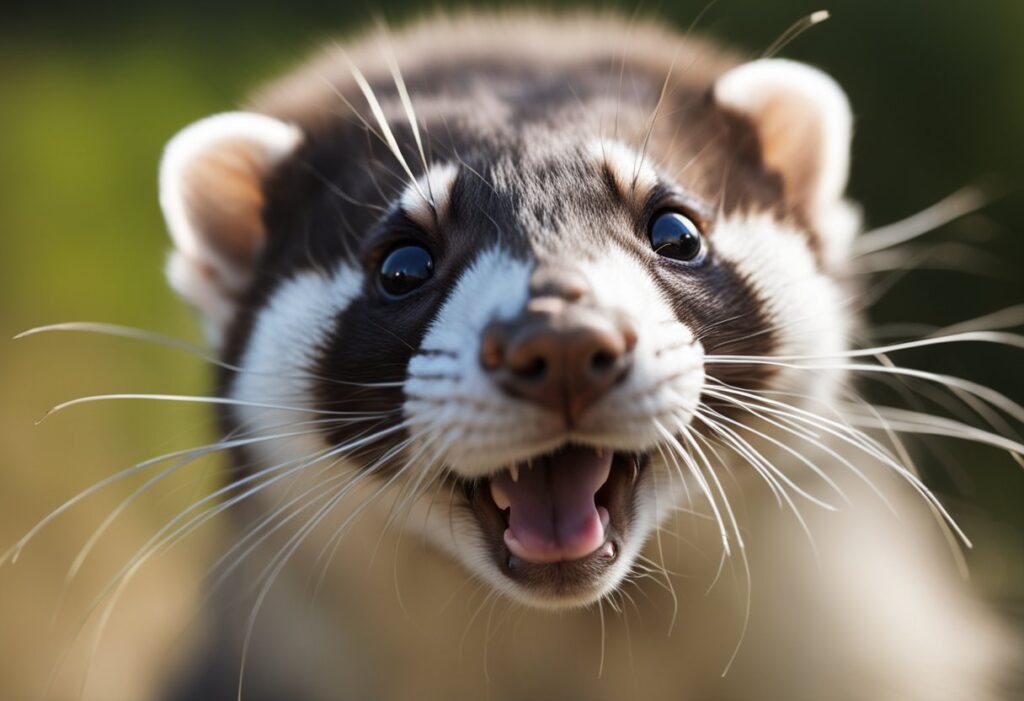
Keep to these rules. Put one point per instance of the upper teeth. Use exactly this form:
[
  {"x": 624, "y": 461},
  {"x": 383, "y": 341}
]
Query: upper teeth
[
  {"x": 500, "y": 498},
  {"x": 514, "y": 471}
]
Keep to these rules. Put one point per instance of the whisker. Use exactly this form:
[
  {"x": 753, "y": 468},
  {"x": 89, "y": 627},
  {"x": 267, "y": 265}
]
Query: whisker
[
  {"x": 668, "y": 580},
  {"x": 865, "y": 443},
  {"x": 987, "y": 394},
  {"x": 192, "y": 453},
  {"x": 385, "y": 128},
  {"x": 742, "y": 549},
  {"x": 160, "y": 541},
  {"x": 796, "y": 454},
  {"x": 963, "y": 201},
  {"x": 688, "y": 436},
  {"x": 410, "y": 113},
  {"x": 695, "y": 471},
  {"x": 185, "y": 346},
  {"x": 916, "y": 422},
  {"x": 795, "y": 30},
  {"x": 332, "y": 543},
  {"x": 1001, "y": 319},
  {"x": 339, "y": 453},
  {"x": 277, "y": 563},
  {"x": 788, "y": 424},
  {"x": 996, "y": 337},
  {"x": 83, "y": 553},
  {"x": 188, "y": 398}
]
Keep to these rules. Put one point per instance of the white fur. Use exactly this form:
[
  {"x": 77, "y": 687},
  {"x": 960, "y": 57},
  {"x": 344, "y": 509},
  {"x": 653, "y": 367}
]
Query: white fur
[
  {"x": 436, "y": 187},
  {"x": 485, "y": 430},
  {"x": 279, "y": 358},
  {"x": 202, "y": 291},
  {"x": 805, "y": 307}
]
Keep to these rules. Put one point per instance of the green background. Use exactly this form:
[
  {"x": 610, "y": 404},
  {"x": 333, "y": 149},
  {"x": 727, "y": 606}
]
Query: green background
[{"x": 89, "y": 93}]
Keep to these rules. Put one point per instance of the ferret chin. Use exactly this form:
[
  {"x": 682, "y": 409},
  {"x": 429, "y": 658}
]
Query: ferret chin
[{"x": 534, "y": 348}]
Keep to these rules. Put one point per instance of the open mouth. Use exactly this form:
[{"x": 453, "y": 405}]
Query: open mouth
[{"x": 557, "y": 521}]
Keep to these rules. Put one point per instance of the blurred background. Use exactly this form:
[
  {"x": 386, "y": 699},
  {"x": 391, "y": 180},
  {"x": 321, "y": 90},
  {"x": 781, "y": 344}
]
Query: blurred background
[{"x": 90, "y": 92}]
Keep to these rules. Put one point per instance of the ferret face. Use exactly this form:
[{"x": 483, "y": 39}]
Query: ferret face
[{"x": 502, "y": 315}]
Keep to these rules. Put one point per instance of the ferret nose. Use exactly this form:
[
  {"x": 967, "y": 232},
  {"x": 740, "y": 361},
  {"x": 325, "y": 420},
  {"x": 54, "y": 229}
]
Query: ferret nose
[{"x": 560, "y": 352}]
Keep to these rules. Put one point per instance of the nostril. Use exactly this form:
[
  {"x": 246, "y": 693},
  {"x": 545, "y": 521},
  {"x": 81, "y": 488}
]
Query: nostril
[
  {"x": 534, "y": 370},
  {"x": 602, "y": 361}
]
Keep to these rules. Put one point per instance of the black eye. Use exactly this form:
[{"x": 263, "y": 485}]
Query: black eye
[
  {"x": 404, "y": 269},
  {"x": 676, "y": 236}
]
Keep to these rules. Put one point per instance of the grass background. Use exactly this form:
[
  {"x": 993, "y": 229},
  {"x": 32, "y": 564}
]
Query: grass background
[{"x": 89, "y": 93}]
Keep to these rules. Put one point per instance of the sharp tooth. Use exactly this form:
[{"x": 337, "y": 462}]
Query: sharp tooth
[
  {"x": 499, "y": 497},
  {"x": 514, "y": 471}
]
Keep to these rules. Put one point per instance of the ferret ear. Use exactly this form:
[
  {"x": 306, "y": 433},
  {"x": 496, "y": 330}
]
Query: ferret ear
[
  {"x": 804, "y": 124},
  {"x": 211, "y": 192}
]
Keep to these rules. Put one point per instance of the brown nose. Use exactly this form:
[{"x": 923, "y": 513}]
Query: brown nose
[{"x": 561, "y": 352}]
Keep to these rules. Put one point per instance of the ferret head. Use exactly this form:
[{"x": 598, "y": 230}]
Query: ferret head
[{"x": 498, "y": 293}]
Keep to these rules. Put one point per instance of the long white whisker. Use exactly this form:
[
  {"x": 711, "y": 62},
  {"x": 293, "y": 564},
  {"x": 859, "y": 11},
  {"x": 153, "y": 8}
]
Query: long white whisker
[
  {"x": 998, "y": 337},
  {"x": 744, "y": 447},
  {"x": 327, "y": 552},
  {"x": 339, "y": 453},
  {"x": 795, "y": 30},
  {"x": 192, "y": 453},
  {"x": 776, "y": 471},
  {"x": 182, "y": 345},
  {"x": 188, "y": 398},
  {"x": 866, "y": 444},
  {"x": 793, "y": 426},
  {"x": 739, "y": 540},
  {"x": 916, "y": 422},
  {"x": 1001, "y": 319},
  {"x": 991, "y": 396},
  {"x": 959, "y": 558},
  {"x": 389, "y": 137},
  {"x": 161, "y": 540},
  {"x": 679, "y": 450},
  {"x": 963, "y": 201},
  {"x": 117, "y": 585},
  {"x": 688, "y": 437},
  {"x": 277, "y": 563},
  {"x": 83, "y": 553},
  {"x": 746, "y": 451},
  {"x": 410, "y": 112}
]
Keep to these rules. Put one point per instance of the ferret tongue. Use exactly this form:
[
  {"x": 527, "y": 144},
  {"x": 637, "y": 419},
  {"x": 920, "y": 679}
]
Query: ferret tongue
[{"x": 552, "y": 513}]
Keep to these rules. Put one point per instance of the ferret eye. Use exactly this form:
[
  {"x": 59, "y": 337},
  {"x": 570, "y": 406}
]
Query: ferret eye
[
  {"x": 404, "y": 269},
  {"x": 676, "y": 236}
]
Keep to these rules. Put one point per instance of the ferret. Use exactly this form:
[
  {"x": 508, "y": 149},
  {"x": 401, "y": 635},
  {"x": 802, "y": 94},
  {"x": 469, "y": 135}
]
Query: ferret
[{"x": 536, "y": 373}]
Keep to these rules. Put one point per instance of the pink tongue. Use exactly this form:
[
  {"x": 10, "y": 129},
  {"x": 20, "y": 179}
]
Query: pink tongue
[{"x": 552, "y": 513}]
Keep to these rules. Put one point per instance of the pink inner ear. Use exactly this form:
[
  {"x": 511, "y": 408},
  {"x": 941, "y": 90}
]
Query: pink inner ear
[
  {"x": 224, "y": 200},
  {"x": 803, "y": 120},
  {"x": 792, "y": 143},
  {"x": 211, "y": 192}
]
